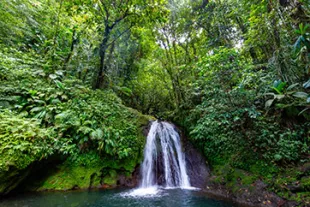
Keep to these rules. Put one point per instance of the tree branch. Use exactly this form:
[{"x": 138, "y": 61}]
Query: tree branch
[
  {"x": 107, "y": 14},
  {"x": 120, "y": 18},
  {"x": 126, "y": 30}
]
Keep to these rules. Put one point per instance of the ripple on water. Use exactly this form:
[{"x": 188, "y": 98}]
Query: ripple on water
[{"x": 142, "y": 197}]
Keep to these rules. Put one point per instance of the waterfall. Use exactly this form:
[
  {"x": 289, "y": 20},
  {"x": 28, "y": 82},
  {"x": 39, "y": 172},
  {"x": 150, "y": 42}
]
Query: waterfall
[{"x": 164, "y": 162}]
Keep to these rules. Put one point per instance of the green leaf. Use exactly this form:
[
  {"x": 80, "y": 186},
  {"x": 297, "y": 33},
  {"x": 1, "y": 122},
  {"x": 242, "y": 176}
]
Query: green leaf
[
  {"x": 126, "y": 91},
  {"x": 59, "y": 72},
  {"x": 52, "y": 76},
  {"x": 268, "y": 103},
  {"x": 40, "y": 115},
  {"x": 85, "y": 130},
  {"x": 278, "y": 86},
  {"x": 279, "y": 97},
  {"x": 292, "y": 86},
  {"x": 301, "y": 26},
  {"x": 297, "y": 31},
  {"x": 306, "y": 85},
  {"x": 277, "y": 157},
  {"x": 306, "y": 109},
  {"x": 297, "y": 45},
  {"x": 97, "y": 134},
  {"x": 55, "y": 101},
  {"x": 59, "y": 84},
  {"x": 301, "y": 95},
  {"x": 36, "y": 109},
  {"x": 33, "y": 92}
]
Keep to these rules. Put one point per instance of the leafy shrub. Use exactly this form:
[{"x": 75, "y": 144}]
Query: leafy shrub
[
  {"x": 230, "y": 124},
  {"x": 22, "y": 141},
  {"x": 80, "y": 120}
]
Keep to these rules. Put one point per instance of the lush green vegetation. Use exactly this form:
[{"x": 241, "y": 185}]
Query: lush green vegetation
[
  {"x": 46, "y": 114},
  {"x": 235, "y": 75}
]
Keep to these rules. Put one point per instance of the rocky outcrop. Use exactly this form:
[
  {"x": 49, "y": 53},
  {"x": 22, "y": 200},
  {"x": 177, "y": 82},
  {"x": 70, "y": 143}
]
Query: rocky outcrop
[
  {"x": 12, "y": 178},
  {"x": 129, "y": 181},
  {"x": 197, "y": 169},
  {"x": 256, "y": 195}
]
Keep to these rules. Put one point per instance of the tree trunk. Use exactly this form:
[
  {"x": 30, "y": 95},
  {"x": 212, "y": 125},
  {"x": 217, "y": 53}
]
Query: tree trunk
[
  {"x": 244, "y": 31},
  {"x": 100, "y": 78},
  {"x": 73, "y": 43}
]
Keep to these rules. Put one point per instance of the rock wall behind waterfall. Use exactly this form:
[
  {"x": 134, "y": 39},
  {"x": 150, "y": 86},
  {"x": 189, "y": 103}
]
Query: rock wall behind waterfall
[{"x": 197, "y": 168}]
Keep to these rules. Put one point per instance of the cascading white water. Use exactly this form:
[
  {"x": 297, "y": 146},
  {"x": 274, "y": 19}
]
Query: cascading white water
[{"x": 163, "y": 148}]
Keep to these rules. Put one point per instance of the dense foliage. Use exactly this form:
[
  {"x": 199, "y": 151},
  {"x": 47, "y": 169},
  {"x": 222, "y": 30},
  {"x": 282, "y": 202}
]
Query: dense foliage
[
  {"x": 44, "y": 115},
  {"x": 236, "y": 118},
  {"x": 234, "y": 74}
]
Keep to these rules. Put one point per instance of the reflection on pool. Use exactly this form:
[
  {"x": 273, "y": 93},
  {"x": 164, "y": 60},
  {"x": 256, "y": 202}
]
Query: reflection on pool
[{"x": 118, "y": 197}]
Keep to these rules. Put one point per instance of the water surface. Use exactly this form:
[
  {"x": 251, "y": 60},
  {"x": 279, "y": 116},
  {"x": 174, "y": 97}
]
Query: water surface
[{"x": 111, "y": 198}]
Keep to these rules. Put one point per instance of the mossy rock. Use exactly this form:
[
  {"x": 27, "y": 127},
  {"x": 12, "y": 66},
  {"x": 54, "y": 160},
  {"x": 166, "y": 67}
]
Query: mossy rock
[
  {"x": 249, "y": 179},
  {"x": 70, "y": 177},
  {"x": 111, "y": 178},
  {"x": 87, "y": 170},
  {"x": 305, "y": 183},
  {"x": 11, "y": 179}
]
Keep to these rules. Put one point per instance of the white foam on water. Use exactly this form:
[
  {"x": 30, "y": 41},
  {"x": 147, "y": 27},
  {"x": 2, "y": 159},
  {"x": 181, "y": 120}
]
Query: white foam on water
[
  {"x": 143, "y": 192},
  {"x": 182, "y": 188},
  {"x": 190, "y": 188}
]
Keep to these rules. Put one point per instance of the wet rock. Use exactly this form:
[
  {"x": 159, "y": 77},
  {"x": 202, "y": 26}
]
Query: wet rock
[
  {"x": 12, "y": 178},
  {"x": 257, "y": 196},
  {"x": 131, "y": 181},
  {"x": 295, "y": 188},
  {"x": 197, "y": 169}
]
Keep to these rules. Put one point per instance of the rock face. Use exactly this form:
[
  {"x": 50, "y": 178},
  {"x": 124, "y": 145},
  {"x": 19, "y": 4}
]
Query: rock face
[
  {"x": 132, "y": 181},
  {"x": 12, "y": 178},
  {"x": 257, "y": 196},
  {"x": 196, "y": 164},
  {"x": 197, "y": 169}
]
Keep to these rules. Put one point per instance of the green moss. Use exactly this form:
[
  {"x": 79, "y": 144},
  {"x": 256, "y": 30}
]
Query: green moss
[
  {"x": 142, "y": 120},
  {"x": 111, "y": 178},
  {"x": 278, "y": 181},
  {"x": 303, "y": 197},
  {"x": 70, "y": 177},
  {"x": 305, "y": 183},
  {"x": 87, "y": 170},
  {"x": 218, "y": 179},
  {"x": 282, "y": 181},
  {"x": 249, "y": 179},
  {"x": 263, "y": 169}
]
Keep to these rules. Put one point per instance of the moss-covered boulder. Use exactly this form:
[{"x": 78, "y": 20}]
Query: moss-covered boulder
[{"x": 87, "y": 170}]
